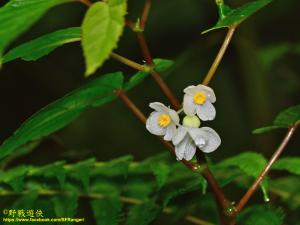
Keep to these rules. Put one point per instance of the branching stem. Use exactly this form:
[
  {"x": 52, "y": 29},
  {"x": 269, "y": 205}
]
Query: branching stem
[
  {"x": 244, "y": 200},
  {"x": 145, "y": 13},
  {"x": 127, "y": 62}
]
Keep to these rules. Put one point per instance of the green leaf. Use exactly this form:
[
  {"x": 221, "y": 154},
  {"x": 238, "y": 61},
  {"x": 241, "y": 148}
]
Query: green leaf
[
  {"x": 101, "y": 29},
  {"x": 161, "y": 172},
  {"x": 250, "y": 163},
  {"x": 232, "y": 17},
  {"x": 15, "y": 177},
  {"x": 143, "y": 214},
  {"x": 261, "y": 215},
  {"x": 66, "y": 206},
  {"x": 291, "y": 164},
  {"x": 161, "y": 65},
  {"x": 106, "y": 210},
  {"x": 61, "y": 112},
  {"x": 18, "y": 15},
  {"x": 43, "y": 45},
  {"x": 284, "y": 119}
]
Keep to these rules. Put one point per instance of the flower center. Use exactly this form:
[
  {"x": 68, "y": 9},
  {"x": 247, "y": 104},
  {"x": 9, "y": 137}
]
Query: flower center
[
  {"x": 164, "y": 120},
  {"x": 199, "y": 98}
]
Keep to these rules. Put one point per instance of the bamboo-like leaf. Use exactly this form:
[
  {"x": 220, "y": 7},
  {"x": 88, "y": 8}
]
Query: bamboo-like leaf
[
  {"x": 18, "y": 15},
  {"x": 43, "y": 45}
]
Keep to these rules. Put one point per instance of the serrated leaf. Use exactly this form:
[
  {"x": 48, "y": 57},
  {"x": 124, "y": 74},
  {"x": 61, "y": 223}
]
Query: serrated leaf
[
  {"x": 261, "y": 215},
  {"x": 101, "y": 29},
  {"x": 143, "y": 214},
  {"x": 61, "y": 112},
  {"x": 250, "y": 163},
  {"x": 233, "y": 17},
  {"x": 290, "y": 164},
  {"x": 43, "y": 45},
  {"x": 106, "y": 210},
  {"x": 82, "y": 172},
  {"x": 284, "y": 119},
  {"x": 66, "y": 206},
  {"x": 115, "y": 167},
  {"x": 161, "y": 172},
  {"x": 18, "y": 15},
  {"x": 14, "y": 177}
]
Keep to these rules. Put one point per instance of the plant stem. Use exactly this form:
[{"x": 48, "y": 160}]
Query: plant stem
[
  {"x": 124, "y": 199},
  {"x": 127, "y": 62},
  {"x": 86, "y": 2},
  {"x": 145, "y": 13},
  {"x": 219, "y": 56},
  {"x": 137, "y": 112},
  {"x": 221, "y": 200},
  {"x": 157, "y": 77},
  {"x": 273, "y": 159}
]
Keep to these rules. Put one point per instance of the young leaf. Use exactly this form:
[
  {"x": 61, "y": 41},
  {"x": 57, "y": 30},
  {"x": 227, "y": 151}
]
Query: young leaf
[
  {"x": 106, "y": 210},
  {"x": 43, "y": 45},
  {"x": 18, "y": 15},
  {"x": 284, "y": 119},
  {"x": 143, "y": 214},
  {"x": 261, "y": 215},
  {"x": 101, "y": 29},
  {"x": 232, "y": 17},
  {"x": 291, "y": 164},
  {"x": 61, "y": 112}
]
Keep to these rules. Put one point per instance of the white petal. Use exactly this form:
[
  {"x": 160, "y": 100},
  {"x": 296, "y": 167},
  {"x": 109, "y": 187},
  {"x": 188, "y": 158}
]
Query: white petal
[
  {"x": 206, "y": 111},
  {"x": 191, "y": 90},
  {"x": 179, "y": 135},
  {"x": 210, "y": 94},
  {"x": 159, "y": 107},
  {"x": 170, "y": 132},
  {"x": 199, "y": 136},
  {"x": 190, "y": 150},
  {"x": 189, "y": 107},
  {"x": 213, "y": 140},
  {"x": 179, "y": 150},
  {"x": 153, "y": 126},
  {"x": 174, "y": 116}
]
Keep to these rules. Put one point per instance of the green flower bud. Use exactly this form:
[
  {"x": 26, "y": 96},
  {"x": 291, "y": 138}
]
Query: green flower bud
[{"x": 191, "y": 121}]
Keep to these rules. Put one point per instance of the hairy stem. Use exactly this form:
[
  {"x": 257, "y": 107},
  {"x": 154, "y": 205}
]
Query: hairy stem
[
  {"x": 219, "y": 56},
  {"x": 244, "y": 200},
  {"x": 127, "y": 62},
  {"x": 124, "y": 199},
  {"x": 86, "y": 2}
]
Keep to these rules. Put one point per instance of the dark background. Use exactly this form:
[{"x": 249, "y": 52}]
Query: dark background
[{"x": 251, "y": 87}]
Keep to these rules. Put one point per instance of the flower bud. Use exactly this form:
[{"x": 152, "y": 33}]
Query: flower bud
[{"x": 191, "y": 121}]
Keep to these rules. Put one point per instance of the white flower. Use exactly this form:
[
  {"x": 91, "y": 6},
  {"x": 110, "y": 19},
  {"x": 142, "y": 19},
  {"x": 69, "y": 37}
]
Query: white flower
[
  {"x": 198, "y": 100},
  {"x": 187, "y": 139},
  {"x": 162, "y": 121}
]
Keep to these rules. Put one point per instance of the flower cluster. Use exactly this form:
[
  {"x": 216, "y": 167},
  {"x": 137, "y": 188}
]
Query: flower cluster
[{"x": 186, "y": 137}]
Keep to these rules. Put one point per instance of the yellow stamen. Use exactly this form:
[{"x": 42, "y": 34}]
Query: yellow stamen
[
  {"x": 164, "y": 120},
  {"x": 199, "y": 98}
]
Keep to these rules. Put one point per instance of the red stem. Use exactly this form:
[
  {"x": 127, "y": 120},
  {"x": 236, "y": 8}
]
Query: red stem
[
  {"x": 273, "y": 159},
  {"x": 145, "y": 13}
]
